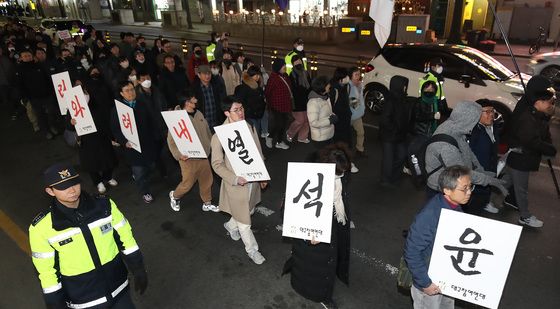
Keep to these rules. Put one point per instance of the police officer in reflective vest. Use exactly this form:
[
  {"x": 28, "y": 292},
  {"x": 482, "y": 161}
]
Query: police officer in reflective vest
[
  {"x": 298, "y": 50},
  {"x": 79, "y": 245},
  {"x": 211, "y": 46},
  {"x": 434, "y": 74}
]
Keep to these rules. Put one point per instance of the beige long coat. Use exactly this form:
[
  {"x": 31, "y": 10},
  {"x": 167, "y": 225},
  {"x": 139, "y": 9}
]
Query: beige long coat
[{"x": 238, "y": 201}]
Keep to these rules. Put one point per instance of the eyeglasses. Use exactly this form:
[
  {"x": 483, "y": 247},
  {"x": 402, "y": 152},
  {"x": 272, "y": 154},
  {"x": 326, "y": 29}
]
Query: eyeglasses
[
  {"x": 237, "y": 110},
  {"x": 467, "y": 189},
  {"x": 489, "y": 111}
]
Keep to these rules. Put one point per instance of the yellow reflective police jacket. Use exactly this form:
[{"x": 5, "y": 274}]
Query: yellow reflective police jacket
[
  {"x": 210, "y": 51},
  {"x": 288, "y": 60},
  {"x": 431, "y": 77},
  {"x": 76, "y": 252}
]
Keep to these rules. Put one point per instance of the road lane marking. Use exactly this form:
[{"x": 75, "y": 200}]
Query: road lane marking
[
  {"x": 264, "y": 211},
  {"x": 557, "y": 168},
  {"x": 15, "y": 233}
]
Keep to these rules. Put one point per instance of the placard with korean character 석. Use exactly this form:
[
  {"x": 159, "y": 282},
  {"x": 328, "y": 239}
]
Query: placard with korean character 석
[
  {"x": 472, "y": 257},
  {"x": 128, "y": 125},
  {"x": 240, "y": 148},
  {"x": 62, "y": 84},
  {"x": 79, "y": 111},
  {"x": 183, "y": 133},
  {"x": 308, "y": 206}
]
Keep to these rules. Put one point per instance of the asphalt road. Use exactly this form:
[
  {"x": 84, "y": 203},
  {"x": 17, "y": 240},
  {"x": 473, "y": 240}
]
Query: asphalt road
[{"x": 192, "y": 263}]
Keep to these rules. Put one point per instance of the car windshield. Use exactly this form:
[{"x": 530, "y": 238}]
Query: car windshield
[
  {"x": 67, "y": 24},
  {"x": 486, "y": 64}
]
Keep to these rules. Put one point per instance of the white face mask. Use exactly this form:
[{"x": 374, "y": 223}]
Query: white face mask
[
  {"x": 439, "y": 69},
  {"x": 87, "y": 97},
  {"x": 299, "y": 48},
  {"x": 215, "y": 71},
  {"x": 147, "y": 83},
  {"x": 346, "y": 80},
  {"x": 11, "y": 49},
  {"x": 132, "y": 78},
  {"x": 142, "y": 61}
]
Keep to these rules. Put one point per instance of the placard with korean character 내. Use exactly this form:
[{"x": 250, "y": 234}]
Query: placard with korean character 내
[
  {"x": 79, "y": 111},
  {"x": 127, "y": 123},
  {"x": 472, "y": 256},
  {"x": 62, "y": 84},
  {"x": 240, "y": 149},
  {"x": 182, "y": 130},
  {"x": 308, "y": 206}
]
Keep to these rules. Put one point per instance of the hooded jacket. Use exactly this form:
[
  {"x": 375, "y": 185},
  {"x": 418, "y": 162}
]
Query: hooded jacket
[
  {"x": 395, "y": 119},
  {"x": 460, "y": 124}
]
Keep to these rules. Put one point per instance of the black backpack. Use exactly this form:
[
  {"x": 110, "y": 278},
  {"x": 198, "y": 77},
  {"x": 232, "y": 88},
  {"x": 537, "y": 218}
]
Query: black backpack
[{"x": 417, "y": 157}]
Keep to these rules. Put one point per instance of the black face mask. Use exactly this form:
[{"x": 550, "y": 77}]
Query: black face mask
[
  {"x": 227, "y": 62},
  {"x": 198, "y": 53},
  {"x": 429, "y": 94},
  {"x": 143, "y": 44},
  {"x": 95, "y": 75},
  {"x": 298, "y": 66}
]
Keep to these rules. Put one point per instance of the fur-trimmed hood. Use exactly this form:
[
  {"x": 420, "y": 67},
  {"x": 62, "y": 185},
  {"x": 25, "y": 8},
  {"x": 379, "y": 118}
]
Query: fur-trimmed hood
[{"x": 249, "y": 81}]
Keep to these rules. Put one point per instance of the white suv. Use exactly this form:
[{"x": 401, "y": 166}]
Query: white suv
[{"x": 469, "y": 75}]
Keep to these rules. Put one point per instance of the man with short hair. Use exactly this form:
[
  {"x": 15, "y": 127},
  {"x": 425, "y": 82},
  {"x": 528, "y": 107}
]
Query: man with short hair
[
  {"x": 530, "y": 141},
  {"x": 237, "y": 196},
  {"x": 193, "y": 169},
  {"x": 455, "y": 190},
  {"x": 172, "y": 80},
  {"x": 79, "y": 245},
  {"x": 209, "y": 92},
  {"x": 167, "y": 50}
]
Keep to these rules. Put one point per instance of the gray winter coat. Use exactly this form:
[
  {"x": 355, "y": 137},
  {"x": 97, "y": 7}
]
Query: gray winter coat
[{"x": 461, "y": 122}]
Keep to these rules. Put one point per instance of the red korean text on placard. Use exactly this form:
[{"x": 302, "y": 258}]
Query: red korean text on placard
[
  {"x": 77, "y": 107},
  {"x": 62, "y": 88},
  {"x": 184, "y": 131},
  {"x": 126, "y": 122}
]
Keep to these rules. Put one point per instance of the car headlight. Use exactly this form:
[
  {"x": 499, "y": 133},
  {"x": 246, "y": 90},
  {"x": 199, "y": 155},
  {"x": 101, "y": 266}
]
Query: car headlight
[{"x": 517, "y": 95}]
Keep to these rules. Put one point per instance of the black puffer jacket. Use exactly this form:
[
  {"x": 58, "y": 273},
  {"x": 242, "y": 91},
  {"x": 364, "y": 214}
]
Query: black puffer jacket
[
  {"x": 251, "y": 96},
  {"x": 395, "y": 119}
]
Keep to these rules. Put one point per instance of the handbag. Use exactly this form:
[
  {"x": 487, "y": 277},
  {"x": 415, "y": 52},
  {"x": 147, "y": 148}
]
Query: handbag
[{"x": 404, "y": 277}]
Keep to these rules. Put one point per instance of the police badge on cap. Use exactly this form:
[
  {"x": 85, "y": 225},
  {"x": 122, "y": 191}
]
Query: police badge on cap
[{"x": 61, "y": 176}]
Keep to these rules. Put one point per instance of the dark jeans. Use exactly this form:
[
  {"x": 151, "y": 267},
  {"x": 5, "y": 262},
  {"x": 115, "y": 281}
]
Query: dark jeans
[
  {"x": 100, "y": 176},
  {"x": 394, "y": 157},
  {"x": 141, "y": 176},
  {"x": 322, "y": 144},
  {"x": 278, "y": 125},
  {"x": 124, "y": 301},
  {"x": 46, "y": 111}
]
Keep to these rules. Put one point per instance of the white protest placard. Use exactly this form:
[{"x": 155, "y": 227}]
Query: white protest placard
[
  {"x": 128, "y": 124},
  {"x": 472, "y": 256},
  {"x": 64, "y": 34},
  {"x": 183, "y": 133},
  {"x": 62, "y": 84},
  {"x": 308, "y": 206},
  {"x": 79, "y": 111},
  {"x": 241, "y": 151}
]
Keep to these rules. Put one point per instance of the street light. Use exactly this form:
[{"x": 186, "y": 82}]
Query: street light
[{"x": 273, "y": 11}]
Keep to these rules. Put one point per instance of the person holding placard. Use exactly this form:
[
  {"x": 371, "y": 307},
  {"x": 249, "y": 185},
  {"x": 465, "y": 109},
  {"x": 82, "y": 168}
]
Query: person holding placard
[
  {"x": 456, "y": 189},
  {"x": 313, "y": 265},
  {"x": 140, "y": 162},
  {"x": 193, "y": 169},
  {"x": 237, "y": 196}
]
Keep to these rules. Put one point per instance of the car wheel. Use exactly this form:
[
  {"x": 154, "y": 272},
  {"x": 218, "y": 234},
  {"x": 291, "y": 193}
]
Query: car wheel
[
  {"x": 552, "y": 72},
  {"x": 374, "y": 98}
]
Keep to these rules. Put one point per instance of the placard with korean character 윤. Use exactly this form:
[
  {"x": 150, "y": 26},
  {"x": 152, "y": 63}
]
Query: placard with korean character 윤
[
  {"x": 127, "y": 123},
  {"x": 240, "y": 148},
  {"x": 308, "y": 206},
  {"x": 183, "y": 133},
  {"x": 62, "y": 84},
  {"x": 79, "y": 111},
  {"x": 472, "y": 257}
]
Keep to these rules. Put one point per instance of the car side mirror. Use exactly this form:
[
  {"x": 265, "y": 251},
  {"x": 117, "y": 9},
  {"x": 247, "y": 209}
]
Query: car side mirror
[{"x": 465, "y": 80}]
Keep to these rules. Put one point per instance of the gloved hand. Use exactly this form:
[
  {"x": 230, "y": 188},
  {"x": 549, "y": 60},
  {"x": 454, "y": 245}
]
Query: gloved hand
[
  {"x": 140, "y": 281},
  {"x": 333, "y": 118},
  {"x": 500, "y": 185}
]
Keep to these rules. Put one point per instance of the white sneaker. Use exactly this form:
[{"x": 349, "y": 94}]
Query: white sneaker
[
  {"x": 112, "y": 182},
  {"x": 148, "y": 198},
  {"x": 264, "y": 134},
  {"x": 234, "y": 234},
  {"x": 257, "y": 257},
  {"x": 268, "y": 142},
  {"x": 174, "y": 203},
  {"x": 282, "y": 145},
  {"x": 210, "y": 207},
  {"x": 290, "y": 139},
  {"x": 354, "y": 169},
  {"x": 532, "y": 221},
  {"x": 491, "y": 208},
  {"x": 101, "y": 188},
  {"x": 305, "y": 141}
]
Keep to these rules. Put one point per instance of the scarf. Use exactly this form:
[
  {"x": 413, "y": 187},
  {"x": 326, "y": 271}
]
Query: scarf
[
  {"x": 434, "y": 102},
  {"x": 338, "y": 203}
]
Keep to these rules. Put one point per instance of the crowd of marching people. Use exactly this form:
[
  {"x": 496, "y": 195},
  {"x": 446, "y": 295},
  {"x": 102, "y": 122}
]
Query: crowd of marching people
[{"x": 214, "y": 84}]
